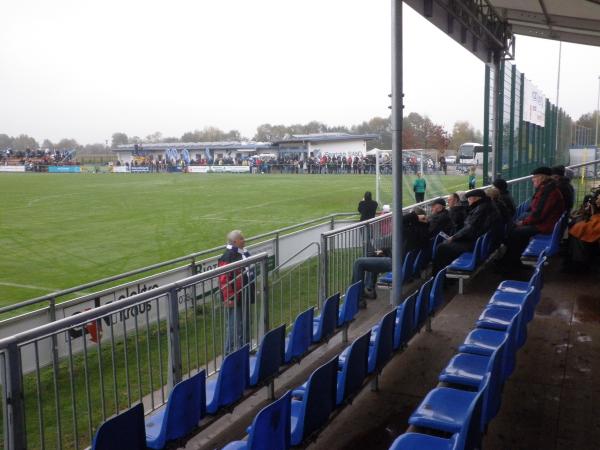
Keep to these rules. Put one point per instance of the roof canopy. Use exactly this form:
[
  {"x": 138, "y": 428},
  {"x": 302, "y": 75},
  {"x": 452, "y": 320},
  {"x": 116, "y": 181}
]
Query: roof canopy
[{"x": 576, "y": 21}]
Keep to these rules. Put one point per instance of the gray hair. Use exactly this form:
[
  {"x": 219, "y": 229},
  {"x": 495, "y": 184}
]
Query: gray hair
[{"x": 233, "y": 235}]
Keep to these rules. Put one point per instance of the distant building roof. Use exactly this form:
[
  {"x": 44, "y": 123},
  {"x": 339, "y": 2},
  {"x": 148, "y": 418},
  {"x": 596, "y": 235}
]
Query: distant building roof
[
  {"x": 225, "y": 145},
  {"x": 327, "y": 137}
]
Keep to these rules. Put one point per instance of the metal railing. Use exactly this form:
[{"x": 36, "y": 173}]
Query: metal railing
[{"x": 132, "y": 350}]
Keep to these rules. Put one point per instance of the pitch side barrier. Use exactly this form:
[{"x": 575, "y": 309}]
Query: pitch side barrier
[
  {"x": 99, "y": 377},
  {"x": 284, "y": 247}
]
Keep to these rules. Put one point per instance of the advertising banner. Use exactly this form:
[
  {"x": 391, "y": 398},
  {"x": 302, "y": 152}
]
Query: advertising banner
[
  {"x": 12, "y": 168},
  {"x": 534, "y": 104},
  {"x": 139, "y": 169},
  {"x": 64, "y": 169},
  {"x": 218, "y": 169},
  {"x": 120, "y": 169}
]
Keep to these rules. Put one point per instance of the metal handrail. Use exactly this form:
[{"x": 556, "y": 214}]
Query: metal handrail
[
  {"x": 276, "y": 268},
  {"x": 53, "y": 295},
  {"x": 95, "y": 313}
]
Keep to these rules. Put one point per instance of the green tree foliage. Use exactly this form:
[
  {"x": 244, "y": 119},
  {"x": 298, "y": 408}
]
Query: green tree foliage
[
  {"x": 463, "y": 132},
  {"x": 588, "y": 120},
  {"x": 5, "y": 141},
  {"x": 67, "y": 144},
  {"x": 47, "y": 144},
  {"x": 211, "y": 134},
  {"x": 24, "y": 142},
  {"x": 119, "y": 139}
]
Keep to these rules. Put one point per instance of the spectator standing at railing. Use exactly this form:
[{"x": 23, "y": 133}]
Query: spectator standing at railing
[
  {"x": 545, "y": 209},
  {"x": 480, "y": 217},
  {"x": 472, "y": 178},
  {"x": 237, "y": 292},
  {"x": 367, "y": 207},
  {"x": 419, "y": 188}
]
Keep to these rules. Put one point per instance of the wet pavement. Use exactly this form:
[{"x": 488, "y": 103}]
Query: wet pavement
[{"x": 551, "y": 401}]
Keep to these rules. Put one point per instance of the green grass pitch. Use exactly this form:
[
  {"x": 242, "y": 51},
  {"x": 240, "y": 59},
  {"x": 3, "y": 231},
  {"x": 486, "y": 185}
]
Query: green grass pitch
[{"x": 61, "y": 230}]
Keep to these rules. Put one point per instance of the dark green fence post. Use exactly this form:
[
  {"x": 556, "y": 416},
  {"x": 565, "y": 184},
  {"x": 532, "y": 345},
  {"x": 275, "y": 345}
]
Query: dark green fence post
[
  {"x": 486, "y": 126},
  {"x": 511, "y": 133}
]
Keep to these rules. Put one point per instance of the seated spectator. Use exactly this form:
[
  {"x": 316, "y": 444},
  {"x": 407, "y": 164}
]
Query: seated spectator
[
  {"x": 480, "y": 217},
  {"x": 584, "y": 239},
  {"x": 564, "y": 186},
  {"x": 439, "y": 220},
  {"x": 457, "y": 212},
  {"x": 545, "y": 209},
  {"x": 505, "y": 197}
]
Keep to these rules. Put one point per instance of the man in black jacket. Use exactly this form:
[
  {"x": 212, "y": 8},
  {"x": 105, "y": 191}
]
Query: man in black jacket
[
  {"x": 439, "y": 220},
  {"x": 480, "y": 217},
  {"x": 457, "y": 211},
  {"x": 367, "y": 207},
  {"x": 564, "y": 186}
]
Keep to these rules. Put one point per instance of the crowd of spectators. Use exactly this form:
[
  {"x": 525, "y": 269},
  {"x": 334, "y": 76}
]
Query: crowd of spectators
[{"x": 37, "y": 160}]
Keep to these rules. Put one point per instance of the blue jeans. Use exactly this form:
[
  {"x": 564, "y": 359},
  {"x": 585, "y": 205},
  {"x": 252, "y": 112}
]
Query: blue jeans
[
  {"x": 237, "y": 330},
  {"x": 373, "y": 265}
]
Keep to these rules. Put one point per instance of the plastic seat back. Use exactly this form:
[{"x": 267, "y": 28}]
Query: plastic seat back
[
  {"x": 436, "y": 243},
  {"x": 270, "y": 355},
  {"x": 125, "y": 431},
  {"x": 349, "y": 308},
  {"x": 436, "y": 297},
  {"x": 408, "y": 266},
  {"x": 300, "y": 337},
  {"x": 419, "y": 263},
  {"x": 319, "y": 399},
  {"x": 271, "y": 426},
  {"x": 407, "y": 322},
  {"x": 354, "y": 370},
  {"x": 185, "y": 408},
  {"x": 381, "y": 350},
  {"x": 422, "y": 305},
  {"x": 328, "y": 319},
  {"x": 233, "y": 377}
]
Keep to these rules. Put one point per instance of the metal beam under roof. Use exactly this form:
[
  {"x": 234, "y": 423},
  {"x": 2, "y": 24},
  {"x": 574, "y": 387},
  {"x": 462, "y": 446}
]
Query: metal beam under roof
[{"x": 576, "y": 21}]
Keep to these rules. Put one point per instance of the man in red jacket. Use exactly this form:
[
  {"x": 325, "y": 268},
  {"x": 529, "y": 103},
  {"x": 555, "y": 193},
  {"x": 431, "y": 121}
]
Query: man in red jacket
[
  {"x": 545, "y": 209},
  {"x": 237, "y": 292}
]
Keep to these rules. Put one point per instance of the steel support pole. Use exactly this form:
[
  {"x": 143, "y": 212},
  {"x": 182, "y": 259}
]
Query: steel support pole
[
  {"x": 486, "y": 126},
  {"x": 174, "y": 341},
  {"x": 396, "y": 125},
  {"x": 17, "y": 439}
]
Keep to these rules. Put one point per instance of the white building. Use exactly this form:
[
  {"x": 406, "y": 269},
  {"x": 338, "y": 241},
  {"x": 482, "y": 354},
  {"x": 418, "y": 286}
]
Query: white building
[{"x": 328, "y": 144}]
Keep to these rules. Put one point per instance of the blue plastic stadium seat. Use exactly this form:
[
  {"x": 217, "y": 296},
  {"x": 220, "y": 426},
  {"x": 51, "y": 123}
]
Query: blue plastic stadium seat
[
  {"x": 499, "y": 318},
  {"x": 422, "y": 306},
  {"x": 525, "y": 301},
  {"x": 418, "y": 441},
  {"x": 230, "y": 383},
  {"x": 269, "y": 357},
  {"x": 386, "y": 278},
  {"x": 481, "y": 341},
  {"x": 546, "y": 242},
  {"x": 436, "y": 297},
  {"x": 324, "y": 325},
  {"x": 408, "y": 266},
  {"x": 454, "y": 411},
  {"x": 353, "y": 365},
  {"x": 184, "y": 409},
  {"x": 349, "y": 308},
  {"x": 436, "y": 243},
  {"x": 467, "y": 369},
  {"x": 467, "y": 262},
  {"x": 313, "y": 402},
  {"x": 270, "y": 428},
  {"x": 419, "y": 263},
  {"x": 300, "y": 338},
  {"x": 381, "y": 342},
  {"x": 405, "y": 326},
  {"x": 125, "y": 431}
]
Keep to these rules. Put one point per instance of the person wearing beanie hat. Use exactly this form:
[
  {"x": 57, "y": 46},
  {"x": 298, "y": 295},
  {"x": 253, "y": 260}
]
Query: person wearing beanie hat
[
  {"x": 546, "y": 207},
  {"x": 481, "y": 215},
  {"x": 565, "y": 187}
]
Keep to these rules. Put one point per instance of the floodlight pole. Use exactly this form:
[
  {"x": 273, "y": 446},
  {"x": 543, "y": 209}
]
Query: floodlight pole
[{"x": 396, "y": 125}]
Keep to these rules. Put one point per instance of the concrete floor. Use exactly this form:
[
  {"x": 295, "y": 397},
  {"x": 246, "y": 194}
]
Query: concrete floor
[{"x": 552, "y": 400}]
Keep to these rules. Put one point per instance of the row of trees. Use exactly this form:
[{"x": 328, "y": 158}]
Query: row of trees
[{"x": 418, "y": 132}]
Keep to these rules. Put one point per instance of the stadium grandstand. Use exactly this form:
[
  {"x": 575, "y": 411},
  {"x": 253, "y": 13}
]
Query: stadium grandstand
[{"x": 466, "y": 321}]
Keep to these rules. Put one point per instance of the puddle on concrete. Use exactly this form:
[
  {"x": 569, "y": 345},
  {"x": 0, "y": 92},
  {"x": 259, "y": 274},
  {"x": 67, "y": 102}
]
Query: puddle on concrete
[
  {"x": 587, "y": 308},
  {"x": 554, "y": 308},
  {"x": 584, "y": 338}
]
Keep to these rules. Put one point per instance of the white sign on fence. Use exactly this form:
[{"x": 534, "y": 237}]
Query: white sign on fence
[
  {"x": 12, "y": 168},
  {"x": 218, "y": 169},
  {"x": 534, "y": 104}
]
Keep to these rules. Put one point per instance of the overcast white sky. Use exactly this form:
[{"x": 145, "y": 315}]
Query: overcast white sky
[{"x": 81, "y": 69}]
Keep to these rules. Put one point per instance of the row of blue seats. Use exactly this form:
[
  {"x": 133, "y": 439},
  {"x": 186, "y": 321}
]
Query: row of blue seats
[
  {"x": 471, "y": 384},
  {"x": 192, "y": 399},
  {"x": 415, "y": 262},
  {"x": 302, "y": 412}
]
